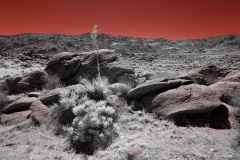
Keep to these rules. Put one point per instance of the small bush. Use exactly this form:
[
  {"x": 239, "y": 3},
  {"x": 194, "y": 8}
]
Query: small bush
[
  {"x": 132, "y": 82},
  {"x": 3, "y": 100},
  {"x": 93, "y": 126},
  {"x": 52, "y": 82},
  {"x": 97, "y": 89},
  {"x": 120, "y": 89}
]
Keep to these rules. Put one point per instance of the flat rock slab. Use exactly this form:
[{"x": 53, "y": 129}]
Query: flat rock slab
[
  {"x": 194, "y": 104},
  {"x": 19, "y": 105},
  {"x": 40, "y": 113},
  {"x": 15, "y": 118},
  {"x": 156, "y": 85}
]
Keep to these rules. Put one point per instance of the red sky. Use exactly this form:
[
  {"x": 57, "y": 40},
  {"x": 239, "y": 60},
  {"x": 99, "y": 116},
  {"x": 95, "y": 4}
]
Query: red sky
[{"x": 171, "y": 19}]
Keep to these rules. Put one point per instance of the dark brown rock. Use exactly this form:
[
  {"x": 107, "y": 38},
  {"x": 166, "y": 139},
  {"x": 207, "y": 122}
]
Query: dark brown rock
[
  {"x": 118, "y": 73},
  {"x": 89, "y": 64},
  {"x": 65, "y": 65},
  {"x": 33, "y": 94},
  {"x": 156, "y": 85},
  {"x": 196, "y": 78},
  {"x": 206, "y": 75},
  {"x": 51, "y": 97},
  {"x": 19, "y": 105},
  {"x": 69, "y": 66},
  {"x": 40, "y": 113},
  {"x": 15, "y": 118},
  {"x": 194, "y": 104},
  {"x": 27, "y": 81}
]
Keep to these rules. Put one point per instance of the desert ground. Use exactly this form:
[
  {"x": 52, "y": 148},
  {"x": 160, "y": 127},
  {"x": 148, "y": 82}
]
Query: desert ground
[{"x": 151, "y": 137}]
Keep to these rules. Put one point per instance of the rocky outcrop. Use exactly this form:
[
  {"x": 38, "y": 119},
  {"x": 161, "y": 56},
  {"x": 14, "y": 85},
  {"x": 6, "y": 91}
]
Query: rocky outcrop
[
  {"x": 27, "y": 81},
  {"x": 40, "y": 113},
  {"x": 19, "y": 105},
  {"x": 65, "y": 65},
  {"x": 69, "y": 66},
  {"x": 194, "y": 105},
  {"x": 156, "y": 85}
]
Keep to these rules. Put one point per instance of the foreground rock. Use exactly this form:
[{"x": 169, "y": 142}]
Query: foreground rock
[
  {"x": 15, "y": 118},
  {"x": 27, "y": 81},
  {"x": 194, "y": 105},
  {"x": 206, "y": 75},
  {"x": 65, "y": 65},
  {"x": 19, "y": 105},
  {"x": 40, "y": 113},
  {"x": 156, "y": 85}
]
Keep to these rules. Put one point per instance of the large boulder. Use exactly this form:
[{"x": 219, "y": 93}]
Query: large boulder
[
  {"x": 195, "y": 105},
  {"x": 69, "y": 66},
  {"x": 27, "y": 81},
  {"x": 65, "y": 65},
  {"x": 206, "y": 75},
  {"x": 228, "y": 90},
  {"x": 15, "y": 118},
  {"x": 19, "y": 105},
  {"x": 89, "y": 65},
  {"x": 156, "y": 85},
  {"x": 40, "y": 113}
]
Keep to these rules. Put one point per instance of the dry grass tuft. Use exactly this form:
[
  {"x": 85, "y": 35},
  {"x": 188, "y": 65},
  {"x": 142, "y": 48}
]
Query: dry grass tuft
[{"x": 52, "y": 82}]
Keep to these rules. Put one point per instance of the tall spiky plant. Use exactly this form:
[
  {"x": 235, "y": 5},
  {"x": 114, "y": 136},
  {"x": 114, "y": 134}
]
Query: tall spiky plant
[{"x": 95, "y": 43}]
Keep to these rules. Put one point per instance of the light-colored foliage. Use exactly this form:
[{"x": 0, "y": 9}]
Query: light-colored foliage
[
  {"x": 62, "y": 112},
  {"x": 98, "y": 88},
  {"x": 93, "y": 126},
  {"x": 120, "y": 89},
  {"x": 95, "y": 43}
]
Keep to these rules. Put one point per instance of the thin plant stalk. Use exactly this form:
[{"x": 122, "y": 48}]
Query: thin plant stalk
[{"x": 94, "y": 38}]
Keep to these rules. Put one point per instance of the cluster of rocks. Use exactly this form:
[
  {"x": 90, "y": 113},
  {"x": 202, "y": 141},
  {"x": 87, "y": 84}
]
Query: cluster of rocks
[
  {"x": 201, "y": 98},
  {"x": 191, "y": 100},
  {"x": 68, "y": 67}
]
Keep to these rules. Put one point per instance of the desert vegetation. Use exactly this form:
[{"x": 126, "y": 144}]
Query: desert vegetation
[{"x": 138, "y": 99}]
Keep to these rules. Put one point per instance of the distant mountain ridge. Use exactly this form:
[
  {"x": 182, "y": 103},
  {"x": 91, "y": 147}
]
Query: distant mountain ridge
[{"x": 51, "y": 44}]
